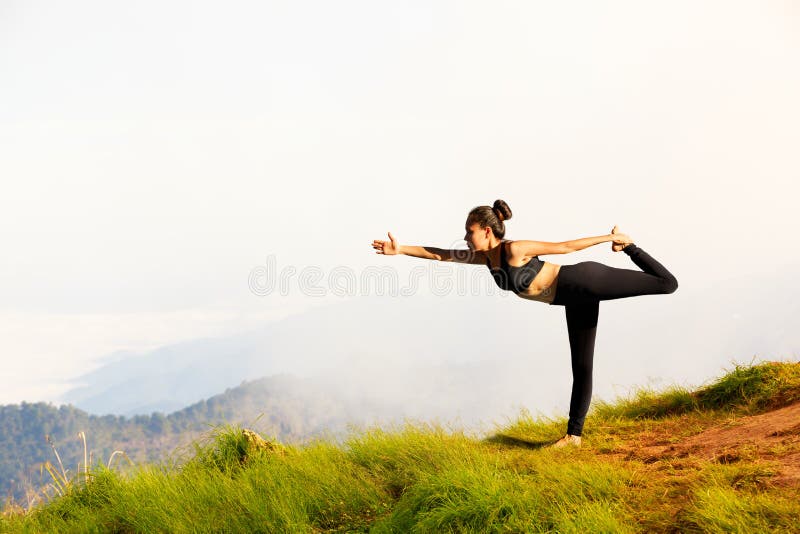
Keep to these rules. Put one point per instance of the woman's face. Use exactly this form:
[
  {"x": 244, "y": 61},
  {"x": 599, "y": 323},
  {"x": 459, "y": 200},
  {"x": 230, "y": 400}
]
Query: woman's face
[{"x": 476, "y": 237}]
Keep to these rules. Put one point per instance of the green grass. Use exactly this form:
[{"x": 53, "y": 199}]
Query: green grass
[
  {"x": 750, "y": 388},
  {"x": 423, "y": 478},
  {"x": 720, "y": 509}
]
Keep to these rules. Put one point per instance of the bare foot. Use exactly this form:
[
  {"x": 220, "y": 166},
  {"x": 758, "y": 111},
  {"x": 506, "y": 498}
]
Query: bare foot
[{"x": 566, "y": 441}]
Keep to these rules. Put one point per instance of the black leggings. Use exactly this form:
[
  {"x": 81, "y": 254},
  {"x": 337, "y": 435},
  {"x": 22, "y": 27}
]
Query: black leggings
[{"x": 580, "y": 288}]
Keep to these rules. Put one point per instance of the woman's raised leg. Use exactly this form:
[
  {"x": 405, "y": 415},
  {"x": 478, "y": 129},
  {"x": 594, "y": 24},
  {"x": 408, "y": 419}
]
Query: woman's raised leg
[{"x": 591, "y": 280}]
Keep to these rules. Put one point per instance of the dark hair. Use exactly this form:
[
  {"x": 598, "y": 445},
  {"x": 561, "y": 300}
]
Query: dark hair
[{"x": 491, "y": 216}]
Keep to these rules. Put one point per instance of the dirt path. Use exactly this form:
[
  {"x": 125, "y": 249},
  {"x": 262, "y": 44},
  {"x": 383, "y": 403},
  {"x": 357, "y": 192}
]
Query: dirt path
[{"x": 772, "y": 436}]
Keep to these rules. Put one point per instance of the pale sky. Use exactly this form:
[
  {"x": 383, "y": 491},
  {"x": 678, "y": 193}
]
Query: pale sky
[{"x": 152, "y": 154}]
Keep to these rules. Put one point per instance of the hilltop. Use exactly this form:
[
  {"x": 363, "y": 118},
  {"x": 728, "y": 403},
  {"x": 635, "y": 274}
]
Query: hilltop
[{"x": 722, "y": 458}]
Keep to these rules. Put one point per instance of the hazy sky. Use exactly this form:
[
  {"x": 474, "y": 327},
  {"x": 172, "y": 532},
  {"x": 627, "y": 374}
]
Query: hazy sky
[{"x": 152, "y": 154}]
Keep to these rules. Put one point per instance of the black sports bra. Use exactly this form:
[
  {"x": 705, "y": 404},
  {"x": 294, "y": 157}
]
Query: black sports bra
[{"x": 512, "y": 278}]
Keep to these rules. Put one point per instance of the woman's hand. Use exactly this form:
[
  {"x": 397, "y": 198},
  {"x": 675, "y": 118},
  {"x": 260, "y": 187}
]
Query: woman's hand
[
  {"x": 620, "y": 240},
  {"x": 389, "y": 248}
]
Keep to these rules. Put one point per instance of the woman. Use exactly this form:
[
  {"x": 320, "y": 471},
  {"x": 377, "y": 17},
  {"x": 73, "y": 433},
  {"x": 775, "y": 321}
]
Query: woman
[{"x": 516, "y": 267}]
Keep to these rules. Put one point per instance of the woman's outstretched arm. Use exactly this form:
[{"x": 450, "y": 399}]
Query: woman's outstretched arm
[
  {"x": 536, "y": 248},
  {"x": 392, "y": 247}
]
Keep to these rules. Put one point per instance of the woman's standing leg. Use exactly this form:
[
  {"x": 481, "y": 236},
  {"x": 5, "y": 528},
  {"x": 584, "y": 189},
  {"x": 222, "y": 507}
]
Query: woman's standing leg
[{"x": 582, "y": 328}]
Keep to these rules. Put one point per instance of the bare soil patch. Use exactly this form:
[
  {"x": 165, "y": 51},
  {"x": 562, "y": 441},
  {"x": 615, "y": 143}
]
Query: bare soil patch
[{"x": 773, "y": 436}]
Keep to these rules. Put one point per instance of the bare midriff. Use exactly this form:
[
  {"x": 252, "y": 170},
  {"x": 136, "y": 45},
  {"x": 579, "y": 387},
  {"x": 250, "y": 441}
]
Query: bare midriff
[{"x": 543, "y": 286}]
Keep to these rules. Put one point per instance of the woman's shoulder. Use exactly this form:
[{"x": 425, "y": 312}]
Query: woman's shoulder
[
  {"x": 515, "y": 247},
  {"x": 517, "y": 250}
]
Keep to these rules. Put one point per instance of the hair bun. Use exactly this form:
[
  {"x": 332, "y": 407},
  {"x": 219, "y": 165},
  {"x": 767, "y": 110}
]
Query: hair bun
[{"x": 502, "y": 210}]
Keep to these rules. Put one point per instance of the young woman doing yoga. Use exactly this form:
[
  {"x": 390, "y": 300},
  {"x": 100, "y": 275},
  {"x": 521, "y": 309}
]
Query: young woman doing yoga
[{"x": 516, "y": 267}]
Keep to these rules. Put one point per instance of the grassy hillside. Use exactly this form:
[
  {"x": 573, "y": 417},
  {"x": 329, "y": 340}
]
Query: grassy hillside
[
  {"x": 725, "y": 458},
  {"x": 286, "y": 407}
]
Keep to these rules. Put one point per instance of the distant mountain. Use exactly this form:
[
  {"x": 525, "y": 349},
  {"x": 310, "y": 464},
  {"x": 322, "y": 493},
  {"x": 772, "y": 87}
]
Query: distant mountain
[
  {"x": 336, "y": 341},
  {"x": 391, "y": 347}
]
